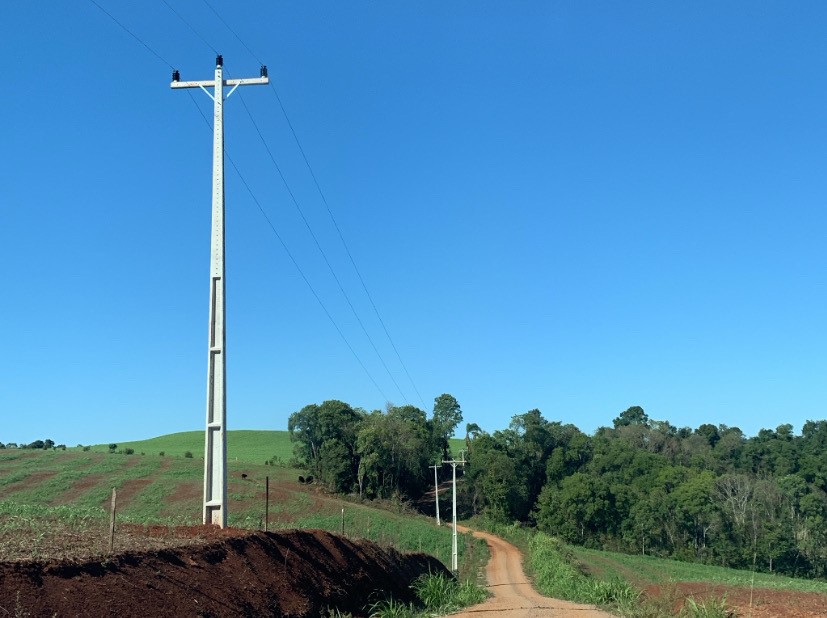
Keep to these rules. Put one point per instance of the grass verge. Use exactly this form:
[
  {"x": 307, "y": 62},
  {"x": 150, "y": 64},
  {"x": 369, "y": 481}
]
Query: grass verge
[{"x": 437, "y": 595}]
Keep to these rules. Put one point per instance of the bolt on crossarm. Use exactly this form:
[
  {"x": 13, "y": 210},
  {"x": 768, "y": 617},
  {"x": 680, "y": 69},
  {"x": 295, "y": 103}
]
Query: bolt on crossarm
[
  {"x": 454, "y": 463},
  {"x": 215, "y": 441}
]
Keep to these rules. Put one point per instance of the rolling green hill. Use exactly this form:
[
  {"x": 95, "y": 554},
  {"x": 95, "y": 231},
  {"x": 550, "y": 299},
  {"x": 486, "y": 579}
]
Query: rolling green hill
[{"x": 243, "y": 445}]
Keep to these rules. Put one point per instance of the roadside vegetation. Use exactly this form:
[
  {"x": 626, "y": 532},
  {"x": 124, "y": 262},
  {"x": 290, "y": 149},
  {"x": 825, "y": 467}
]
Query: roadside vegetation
[
  {"x": 616, "y": 581},
  {"x": 437, "y": 595}
]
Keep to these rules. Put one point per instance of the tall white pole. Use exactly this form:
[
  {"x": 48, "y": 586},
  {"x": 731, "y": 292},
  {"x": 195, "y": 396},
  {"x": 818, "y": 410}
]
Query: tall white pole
[
  {"x": 215, "y": 438},
  {"x": 454, "y": 556},
  {"x": 215, "y": 443},
  {"x": 436, "y": 493}
]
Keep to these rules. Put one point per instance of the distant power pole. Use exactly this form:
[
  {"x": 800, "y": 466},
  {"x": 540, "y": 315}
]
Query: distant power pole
[
  {"x": 215, "y": 442},
  {"x": 436, "y": 493},
  {"x": 454, "y": 463}
]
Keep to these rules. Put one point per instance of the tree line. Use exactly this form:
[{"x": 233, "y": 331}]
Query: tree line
[
  {"x": 709, "y": 494},
  {"x": 37, "y": 445},
  {"x": 379, "y": 454}
]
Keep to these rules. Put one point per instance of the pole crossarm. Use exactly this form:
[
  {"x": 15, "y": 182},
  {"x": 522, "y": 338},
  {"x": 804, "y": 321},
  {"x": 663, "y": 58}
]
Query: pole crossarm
[
  {"x": 210, "y": 83},
  {"x": 215, "y": 440}
]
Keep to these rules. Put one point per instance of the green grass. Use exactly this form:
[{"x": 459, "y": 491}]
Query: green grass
[
  {"x": 76, "y": 485},
  {"x": 437, "y": 595},
  {"x": 456, "y": 445},
  {"x": 660, "y": 570},
  {"x": 556, "y": 575},
  {"x": 243, "y": 445},
  {"x": 403, "y": 531}
]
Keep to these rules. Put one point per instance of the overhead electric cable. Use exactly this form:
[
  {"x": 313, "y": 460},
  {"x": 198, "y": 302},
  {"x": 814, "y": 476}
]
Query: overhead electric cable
[
  {"x": 324, "y": 201},
  {"x": 188, "y": 25},
  {"x": 321, "y": 250},
  {"x": 299, "y": 209},
  {"x": 255, "y": 200},
  {"x": 293, "y": 259},
  {"x": 132, "y": 34}
]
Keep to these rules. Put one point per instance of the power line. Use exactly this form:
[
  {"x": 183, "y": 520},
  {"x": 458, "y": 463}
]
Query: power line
[
  {"x": 249, "y": 190},
  {"x": 293, "y": 260},
  {"x": 296, "y": 203},
  {"x": 327, "y": 206},
  {"x": 132, "y": 34},
  {"x": 188, "y": 25},
  {"x": 321, "y": 250}
]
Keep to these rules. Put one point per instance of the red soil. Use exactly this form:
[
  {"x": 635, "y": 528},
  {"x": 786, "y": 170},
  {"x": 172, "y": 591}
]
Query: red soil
[
  {"x": 292, "y": 573},
  {"x": 33, "y": 480},
  {"x": 760, "y": 603}
]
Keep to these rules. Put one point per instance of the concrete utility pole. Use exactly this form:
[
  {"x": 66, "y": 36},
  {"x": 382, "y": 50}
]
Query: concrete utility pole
[
  {"x": 215, "y": 442},
  {"x": 454, "y": 463},
  {"x": 436, "y": 493}
]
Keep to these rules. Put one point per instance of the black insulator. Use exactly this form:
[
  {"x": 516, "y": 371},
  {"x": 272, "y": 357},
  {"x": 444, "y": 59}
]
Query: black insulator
[
  {"x": 264, "y": 70},
  {"x": 219, "y": 60},
  {"x": 176, "y": 76}
]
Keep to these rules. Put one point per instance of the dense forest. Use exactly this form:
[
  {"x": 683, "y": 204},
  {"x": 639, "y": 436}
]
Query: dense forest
[{"x": 707, "y": 494}]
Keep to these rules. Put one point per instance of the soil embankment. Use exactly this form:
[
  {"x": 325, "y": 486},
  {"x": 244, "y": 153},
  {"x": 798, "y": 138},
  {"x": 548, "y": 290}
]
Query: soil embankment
[{"x": 292, "y": 573}]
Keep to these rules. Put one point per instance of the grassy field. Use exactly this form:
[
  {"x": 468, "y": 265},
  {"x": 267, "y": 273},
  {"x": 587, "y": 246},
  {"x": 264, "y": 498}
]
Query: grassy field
[
  {"x": 243, "y": 445},
  {"x": 54, "y": 504},
  {"x": 645, "y": 570}
]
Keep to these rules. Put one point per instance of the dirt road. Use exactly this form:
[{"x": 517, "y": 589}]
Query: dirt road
[{"x": 513, "y": 595}]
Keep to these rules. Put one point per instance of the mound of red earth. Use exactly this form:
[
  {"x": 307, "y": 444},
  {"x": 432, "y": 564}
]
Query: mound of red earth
[{"x": 290, "y": 573}]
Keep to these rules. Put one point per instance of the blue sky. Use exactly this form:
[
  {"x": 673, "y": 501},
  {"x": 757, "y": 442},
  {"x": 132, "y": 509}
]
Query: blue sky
[{"x": 576, "y": 207}]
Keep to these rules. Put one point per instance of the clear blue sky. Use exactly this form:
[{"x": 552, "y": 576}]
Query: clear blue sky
[{"x": 576, "y": 207}]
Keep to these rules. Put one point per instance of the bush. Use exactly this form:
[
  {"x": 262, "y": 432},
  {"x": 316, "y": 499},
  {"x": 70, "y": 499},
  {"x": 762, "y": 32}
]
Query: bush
[
  {"x": 188, "y": 454},
  {"x": 161, "y": 453},
  {"x": 86, "y": 449},
  {"x": 113, "y": 448},
  {"x": 129, "y": 451}
]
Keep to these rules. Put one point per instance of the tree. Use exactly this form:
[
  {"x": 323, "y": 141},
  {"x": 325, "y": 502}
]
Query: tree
[
  {"x": 395, "y": 449},
  {"x": 580, "y": 510},
  {"x": 472, "y": 430},
  {"x": 325, "y": 437},
  {"x": 447, "y": 415},
  {"x": 632, "y": 416},
  {"x": 497, "y": 489}
]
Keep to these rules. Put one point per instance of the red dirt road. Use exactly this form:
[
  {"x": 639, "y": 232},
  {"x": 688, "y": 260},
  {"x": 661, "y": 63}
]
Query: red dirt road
[{"x": 513, "y": 595}]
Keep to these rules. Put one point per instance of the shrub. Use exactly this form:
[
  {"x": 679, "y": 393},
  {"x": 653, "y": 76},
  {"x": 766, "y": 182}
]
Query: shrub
[
  {"x": 129, "y": 451},
  {"x": 161, "y": 453},
  {"x": 188, "y": 454}
]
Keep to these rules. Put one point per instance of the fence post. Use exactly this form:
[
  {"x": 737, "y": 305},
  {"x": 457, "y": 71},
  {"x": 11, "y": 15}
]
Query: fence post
[
  {"x": 266, "y": 502},
  {"x": 112, "y": 521}
]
